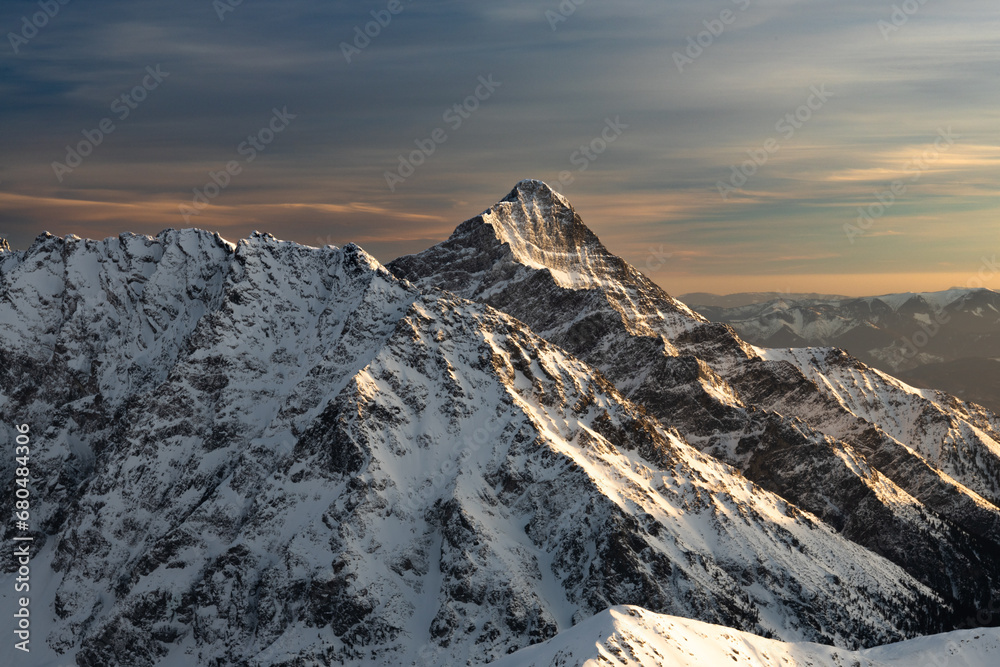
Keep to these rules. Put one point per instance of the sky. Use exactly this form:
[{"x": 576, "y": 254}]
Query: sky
[{"x": 848, "y": 147}]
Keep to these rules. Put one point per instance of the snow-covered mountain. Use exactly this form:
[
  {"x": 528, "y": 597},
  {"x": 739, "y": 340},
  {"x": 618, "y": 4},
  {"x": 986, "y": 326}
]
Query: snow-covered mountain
[
  {"x": 859, "y": 464},
  {"x": 271, "y": 454},
  {"x": 267, "y": 453},
  {"x": 948, "y": 340}
]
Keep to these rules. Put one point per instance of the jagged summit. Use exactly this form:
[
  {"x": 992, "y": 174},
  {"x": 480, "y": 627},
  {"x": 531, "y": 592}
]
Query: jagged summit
[
  {"x": 531, "y": 242},
  {"x": 533, "y": 227},
  {"x": 533, "y": 230},
  {"x": 532, "y": 187},
  {"x": 544, "y": 231},
  {"x": 532, "y": 192}
]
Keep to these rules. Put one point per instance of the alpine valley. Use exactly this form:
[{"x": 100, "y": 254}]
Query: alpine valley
[{"x": 511, "y": 448}]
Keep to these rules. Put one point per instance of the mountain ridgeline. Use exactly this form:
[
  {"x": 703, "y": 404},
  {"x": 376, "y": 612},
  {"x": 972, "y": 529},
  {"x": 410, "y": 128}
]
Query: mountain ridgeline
[{"x": 264, "y": 453}]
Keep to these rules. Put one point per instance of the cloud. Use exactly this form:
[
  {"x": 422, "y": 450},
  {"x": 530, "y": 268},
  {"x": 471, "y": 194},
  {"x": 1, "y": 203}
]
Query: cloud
[{"x": 324, "y": 177}]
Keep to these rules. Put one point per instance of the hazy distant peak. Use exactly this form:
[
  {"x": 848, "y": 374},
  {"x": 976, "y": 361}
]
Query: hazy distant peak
[
  {"x": 934, "y": 300},
  {"x": 752, "y": 298},
  {"x": 894, "y": 301}
]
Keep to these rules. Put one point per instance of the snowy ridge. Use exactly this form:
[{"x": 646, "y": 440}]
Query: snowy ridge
[
  {"x": 633, "y": 636},
  {"x": 963, "y": 440}
]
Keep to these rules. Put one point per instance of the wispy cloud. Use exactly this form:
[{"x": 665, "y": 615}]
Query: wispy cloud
[{"x": 655, "y": 186}]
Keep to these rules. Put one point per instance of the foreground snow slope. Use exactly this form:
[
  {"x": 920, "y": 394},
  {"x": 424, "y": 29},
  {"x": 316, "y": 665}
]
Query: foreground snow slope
[{"x": 634, "y": 636}]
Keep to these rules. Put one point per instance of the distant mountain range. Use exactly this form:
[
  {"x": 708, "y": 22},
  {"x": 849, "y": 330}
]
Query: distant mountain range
[
  {"x": 947, "y": 340},
  {"x": 511, "y": 447},
  {"x": 750, "y": 298}
]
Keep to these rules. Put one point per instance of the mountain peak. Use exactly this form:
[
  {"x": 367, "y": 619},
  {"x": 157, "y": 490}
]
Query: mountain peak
[
  {"x": 533, "y": 228},
  {"x": 533, "y": 189},
  {"x": 540, "y": 214},
  {"x": 4, "y": 246},
  {"x": 543, "y": 231}
]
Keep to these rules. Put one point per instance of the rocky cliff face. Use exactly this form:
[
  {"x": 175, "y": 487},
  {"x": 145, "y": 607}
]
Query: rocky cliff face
[{"x": 270, "y": 454}]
